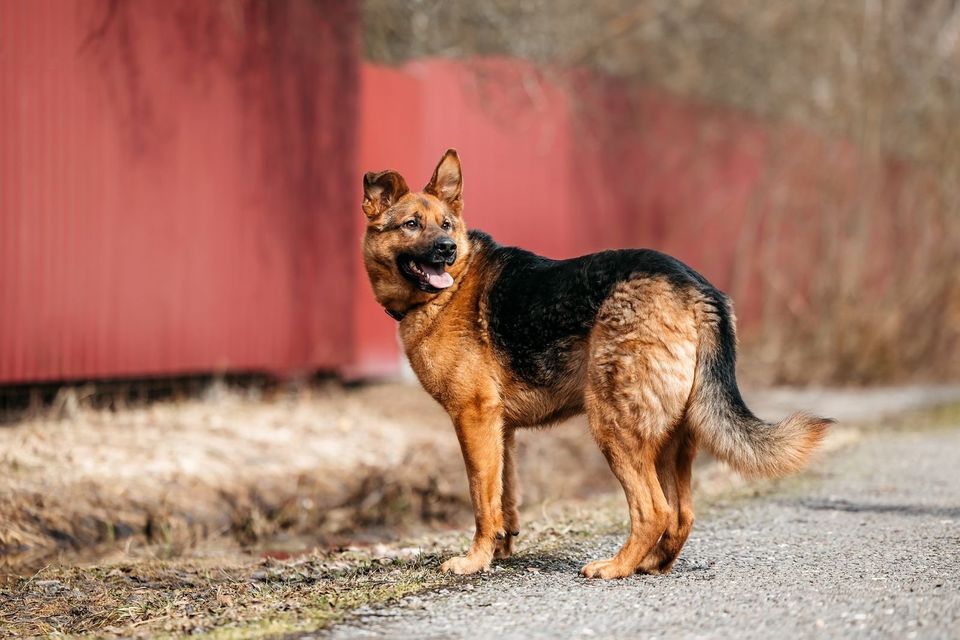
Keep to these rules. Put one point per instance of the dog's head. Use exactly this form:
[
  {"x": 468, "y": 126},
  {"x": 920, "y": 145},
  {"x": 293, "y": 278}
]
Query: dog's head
[{"x": 415, "y": 245}]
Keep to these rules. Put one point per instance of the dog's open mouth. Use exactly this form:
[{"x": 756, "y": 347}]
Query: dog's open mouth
[{"x": 429, "y": 276}]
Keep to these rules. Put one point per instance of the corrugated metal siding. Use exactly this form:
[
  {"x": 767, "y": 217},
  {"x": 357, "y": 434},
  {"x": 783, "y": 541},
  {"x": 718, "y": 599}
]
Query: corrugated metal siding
[{"x": 173, "y": 181}]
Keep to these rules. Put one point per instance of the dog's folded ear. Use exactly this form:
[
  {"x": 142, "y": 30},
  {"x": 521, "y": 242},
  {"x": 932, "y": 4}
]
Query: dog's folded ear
[
  {"x": 381, "y": 191},
  {"x": 447, "y": 181}
]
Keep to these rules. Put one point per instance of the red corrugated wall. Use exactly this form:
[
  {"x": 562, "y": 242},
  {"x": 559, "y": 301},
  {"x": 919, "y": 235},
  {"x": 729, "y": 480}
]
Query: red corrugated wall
[
  {"x": 174, "y": 178},
  {"x": 179, "y": 183}
]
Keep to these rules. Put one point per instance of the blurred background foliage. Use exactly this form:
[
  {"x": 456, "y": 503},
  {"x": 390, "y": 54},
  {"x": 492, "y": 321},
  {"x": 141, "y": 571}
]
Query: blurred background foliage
[
  {"x": 881, "y": 72},
  {"x": 882, "y": 75}
]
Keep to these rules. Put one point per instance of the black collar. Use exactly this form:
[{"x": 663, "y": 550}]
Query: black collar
[{"x": 396, "y": 315}]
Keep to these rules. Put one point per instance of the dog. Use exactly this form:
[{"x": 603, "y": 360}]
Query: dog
[{"x": 504, "y": 339}]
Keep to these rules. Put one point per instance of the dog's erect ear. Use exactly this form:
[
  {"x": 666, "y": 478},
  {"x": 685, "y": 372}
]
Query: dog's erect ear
[
  {"x": 381, "y": 191},
  {"x": 447, "y": 181}
]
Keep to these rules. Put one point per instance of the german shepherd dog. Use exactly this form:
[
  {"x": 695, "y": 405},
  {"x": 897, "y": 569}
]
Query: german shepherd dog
[{"x": 505, "y": 339}]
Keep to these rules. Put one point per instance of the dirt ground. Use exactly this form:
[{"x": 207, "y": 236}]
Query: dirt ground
[{"x": 237, "y": 513}]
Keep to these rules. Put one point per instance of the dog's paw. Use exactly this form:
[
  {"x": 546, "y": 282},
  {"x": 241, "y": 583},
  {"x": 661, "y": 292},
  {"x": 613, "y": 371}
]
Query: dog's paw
[
  {"x": 606, "y": 569},
  {"x": 504, "y": 547},
  {"x": 465, "y": 565},
  {"x": 655, "y": 564}
]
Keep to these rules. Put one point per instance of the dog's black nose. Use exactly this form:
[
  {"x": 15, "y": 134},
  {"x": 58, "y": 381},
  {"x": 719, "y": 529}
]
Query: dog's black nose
[{"x": 445, "y": 250}]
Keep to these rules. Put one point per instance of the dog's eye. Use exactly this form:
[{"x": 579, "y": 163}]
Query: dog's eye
[
  {"x": 446, "y": 225},
  {"x": 411, "y": 224}
]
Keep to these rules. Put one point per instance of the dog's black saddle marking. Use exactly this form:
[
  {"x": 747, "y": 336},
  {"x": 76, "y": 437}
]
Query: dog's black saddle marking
[{"x": 539, "y": 309}]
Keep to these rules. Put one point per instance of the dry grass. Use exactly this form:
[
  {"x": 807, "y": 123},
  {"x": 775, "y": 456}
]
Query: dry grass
[
  {"x": 316, "y": 466},
  {"x": 239, "y": 472},
  {"x": 171, "y": 474}
]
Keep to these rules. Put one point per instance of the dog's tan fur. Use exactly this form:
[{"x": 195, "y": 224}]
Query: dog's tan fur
[{"x": 636, "y": 375}]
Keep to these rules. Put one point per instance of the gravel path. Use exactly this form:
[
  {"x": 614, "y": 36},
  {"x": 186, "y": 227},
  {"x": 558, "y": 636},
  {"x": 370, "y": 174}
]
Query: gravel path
[{"x": 866, "y": 544}]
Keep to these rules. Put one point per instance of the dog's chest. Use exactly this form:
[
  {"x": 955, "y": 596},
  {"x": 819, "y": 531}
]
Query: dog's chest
[{"x": 450, "y": 366}]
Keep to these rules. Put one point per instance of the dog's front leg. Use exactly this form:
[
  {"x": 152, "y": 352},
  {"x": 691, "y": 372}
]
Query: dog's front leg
[
  {"x": 480, "y": 431},
  {"x": 511, "y": 497}
]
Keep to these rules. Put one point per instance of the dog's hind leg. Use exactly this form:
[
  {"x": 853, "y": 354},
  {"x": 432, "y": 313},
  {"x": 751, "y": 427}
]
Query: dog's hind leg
[
  {"x": 674, "y": 469},
  {"x": 633, "y": 461},
  {"x": 642, "y": 360},
  {"x": 511, "y": 499}
]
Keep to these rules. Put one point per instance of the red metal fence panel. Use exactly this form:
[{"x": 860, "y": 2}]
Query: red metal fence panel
[{"x": 173, "y": 182}]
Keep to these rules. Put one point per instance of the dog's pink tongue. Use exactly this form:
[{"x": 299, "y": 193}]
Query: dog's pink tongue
[{"x": 437, "y": 277}]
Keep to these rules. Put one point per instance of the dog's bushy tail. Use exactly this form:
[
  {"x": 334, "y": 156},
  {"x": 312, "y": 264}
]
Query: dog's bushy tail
[{"x": 721, "y": 419}]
